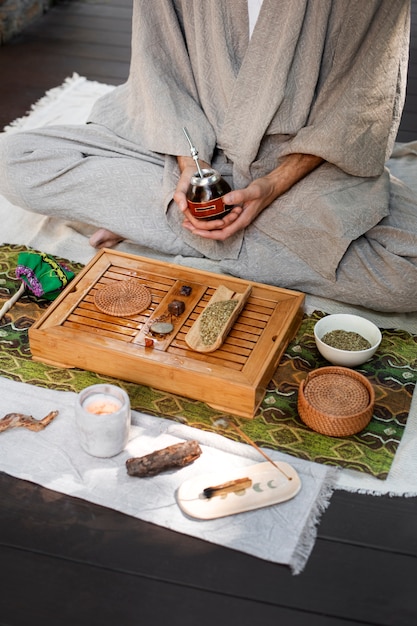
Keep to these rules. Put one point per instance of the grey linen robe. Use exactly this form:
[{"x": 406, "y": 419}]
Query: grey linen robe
[
  {"x": 322, "y": 77},
  {"x": 318, "y": 77}
]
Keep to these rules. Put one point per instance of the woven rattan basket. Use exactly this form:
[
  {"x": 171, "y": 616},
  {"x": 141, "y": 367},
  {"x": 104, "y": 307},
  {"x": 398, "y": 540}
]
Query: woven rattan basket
[{"x": 336, "y": 401}]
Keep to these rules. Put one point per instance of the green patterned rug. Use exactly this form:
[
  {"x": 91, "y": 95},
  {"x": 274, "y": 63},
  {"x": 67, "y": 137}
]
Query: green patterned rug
[{"x": 393, "y": 372}]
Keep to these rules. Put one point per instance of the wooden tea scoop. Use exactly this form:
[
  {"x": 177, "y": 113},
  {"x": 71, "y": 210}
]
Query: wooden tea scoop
[{"x": 213, "y": 325}]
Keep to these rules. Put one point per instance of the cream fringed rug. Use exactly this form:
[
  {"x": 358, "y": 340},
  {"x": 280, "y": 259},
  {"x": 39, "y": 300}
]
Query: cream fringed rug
[{"x": 290, "y": 526}]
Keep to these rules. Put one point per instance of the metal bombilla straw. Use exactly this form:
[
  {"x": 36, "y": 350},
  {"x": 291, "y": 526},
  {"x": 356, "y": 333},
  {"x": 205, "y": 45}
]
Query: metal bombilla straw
[{"x": 194, "y": 152}]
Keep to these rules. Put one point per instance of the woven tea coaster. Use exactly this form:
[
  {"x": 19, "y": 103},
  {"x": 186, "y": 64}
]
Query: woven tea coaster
[
  {"x": 336, "y": 401},
  {"x": 122, "y": 298}
]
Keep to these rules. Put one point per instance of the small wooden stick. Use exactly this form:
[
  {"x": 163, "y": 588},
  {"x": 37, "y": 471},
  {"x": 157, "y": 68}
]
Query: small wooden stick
[
  {"x": 225, "y": 423},
  {"x": 15, "y": 420},
  {"x": 230, "y": 487},
  {"x": 8, "y": 305},
  {"x": 178, "y": 455}
]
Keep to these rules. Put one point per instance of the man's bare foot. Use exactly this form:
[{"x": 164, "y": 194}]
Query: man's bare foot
[{"x": 103, "y": 238}]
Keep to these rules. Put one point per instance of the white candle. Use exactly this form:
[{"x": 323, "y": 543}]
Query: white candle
[
  {"x": 102, "y": 404},
  {"x": 102, "y": 415}
]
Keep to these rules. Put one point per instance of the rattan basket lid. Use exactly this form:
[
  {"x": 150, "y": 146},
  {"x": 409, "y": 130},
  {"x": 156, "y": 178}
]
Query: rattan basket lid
[
  {"x": 336, "y": 401},
  {"x": 122, "y": 298}
]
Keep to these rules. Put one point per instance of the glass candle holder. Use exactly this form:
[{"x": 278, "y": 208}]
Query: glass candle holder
[{"x": 102, "y": 414}]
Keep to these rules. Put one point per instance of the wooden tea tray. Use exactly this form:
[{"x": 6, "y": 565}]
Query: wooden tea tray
[{"x": 74, "y": 333}]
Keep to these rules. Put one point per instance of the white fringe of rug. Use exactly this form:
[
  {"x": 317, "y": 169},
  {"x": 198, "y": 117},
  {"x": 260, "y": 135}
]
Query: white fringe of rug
[
  {"x": 308, "y": 537},
  {"x": 79, "y": 94}
]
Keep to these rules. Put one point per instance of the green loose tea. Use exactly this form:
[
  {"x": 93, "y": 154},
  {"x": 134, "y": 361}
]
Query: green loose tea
[
  {"x": 346, "y": 340},
  {"x": 213, "y": 319}
]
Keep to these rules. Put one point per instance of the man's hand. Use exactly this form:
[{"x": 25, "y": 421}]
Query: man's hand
[{"x": 249, "y": 202}]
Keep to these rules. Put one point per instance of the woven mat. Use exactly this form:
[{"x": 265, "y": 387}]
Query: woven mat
[{"x": 393, "y": 372}]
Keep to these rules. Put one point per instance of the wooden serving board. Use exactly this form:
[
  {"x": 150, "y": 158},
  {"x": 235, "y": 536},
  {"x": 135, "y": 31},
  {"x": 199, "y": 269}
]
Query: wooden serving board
[{"x": 74, "y": 333}]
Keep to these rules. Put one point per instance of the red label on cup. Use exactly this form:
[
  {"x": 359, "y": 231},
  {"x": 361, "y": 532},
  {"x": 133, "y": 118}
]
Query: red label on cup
[{"x": 204, "y": 210}]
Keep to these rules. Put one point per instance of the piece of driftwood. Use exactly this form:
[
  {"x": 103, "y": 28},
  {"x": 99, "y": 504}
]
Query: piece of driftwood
[
  {"x": 177, "y": 455},
  {"x": 15, "y": 420}
]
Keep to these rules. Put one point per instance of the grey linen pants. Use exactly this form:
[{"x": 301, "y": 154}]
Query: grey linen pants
[{"x": 87, "y": 174}]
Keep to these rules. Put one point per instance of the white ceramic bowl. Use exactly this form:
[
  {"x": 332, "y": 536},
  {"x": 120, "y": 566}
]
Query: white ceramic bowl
[{"x": 352, "y": 323}]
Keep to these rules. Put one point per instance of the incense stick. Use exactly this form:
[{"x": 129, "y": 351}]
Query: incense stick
[{"x": 253, "y": 444}]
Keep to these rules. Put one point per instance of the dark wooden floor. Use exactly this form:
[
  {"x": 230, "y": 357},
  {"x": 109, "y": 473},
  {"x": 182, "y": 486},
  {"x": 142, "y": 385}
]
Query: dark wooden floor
[{"x": 68, "y": 562}]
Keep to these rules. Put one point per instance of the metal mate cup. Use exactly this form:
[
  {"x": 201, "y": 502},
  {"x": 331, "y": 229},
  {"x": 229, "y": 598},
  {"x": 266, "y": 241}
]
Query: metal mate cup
[{"x": 205, "y": 195}]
